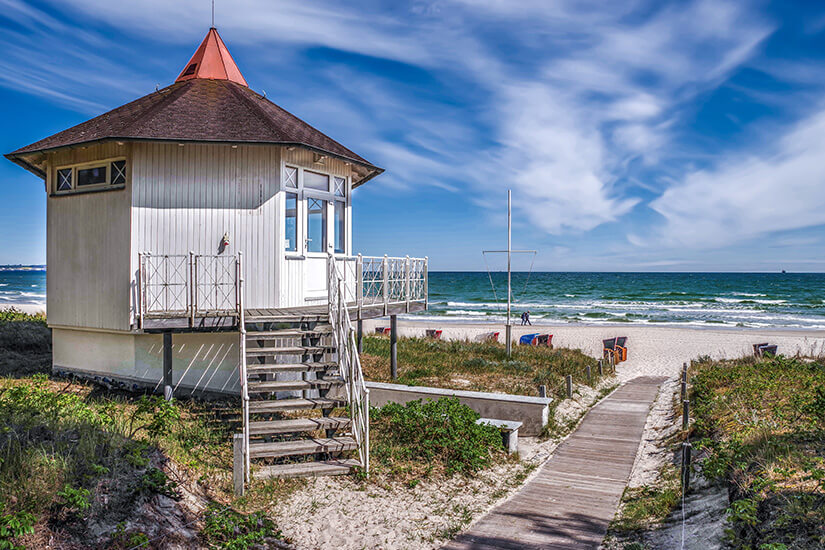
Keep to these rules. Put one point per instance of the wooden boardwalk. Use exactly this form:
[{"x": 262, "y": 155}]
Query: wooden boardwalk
[{"x": 573, "y": 498}]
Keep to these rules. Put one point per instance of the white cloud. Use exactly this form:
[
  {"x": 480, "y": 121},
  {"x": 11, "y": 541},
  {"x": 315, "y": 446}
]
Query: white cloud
[
  {"x": 748, "y": 195},
  {"x": 565, "y": 94}
]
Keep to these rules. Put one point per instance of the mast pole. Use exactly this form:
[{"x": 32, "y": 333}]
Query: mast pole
[{"x": 508, "y": 327}]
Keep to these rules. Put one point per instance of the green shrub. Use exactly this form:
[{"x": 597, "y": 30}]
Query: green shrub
[
  {"x": 155, "y": 481},
  {"x": 443, "y": 434},
  {"x": 74, "y": 500},
  {"x": 13, "y": 526},
  {"x": 154, "y": 415},
  {"x": 226, "y": 529}
]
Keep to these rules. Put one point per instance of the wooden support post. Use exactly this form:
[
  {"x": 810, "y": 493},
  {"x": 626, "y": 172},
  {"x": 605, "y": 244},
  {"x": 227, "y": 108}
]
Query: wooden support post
[
  {"x": 394, "y": 346},
  {"x": 508, "y": 338},
  {"x": 601, "y": 368},
  {"x": 589, "y": 375},
  {"x": 685, "y": 414},
  {"x": 360, "y": 336},
  {"x": 167, "y": 366},
  {"x": 569, "y": 386},
  {"x": 686, "y": 459},
  {"x": 542, "y": 391},
  {"x": 238, "y": 463}
]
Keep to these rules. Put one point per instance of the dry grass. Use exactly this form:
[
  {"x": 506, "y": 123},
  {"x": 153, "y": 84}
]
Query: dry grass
[{"x": 464, "y": 365}]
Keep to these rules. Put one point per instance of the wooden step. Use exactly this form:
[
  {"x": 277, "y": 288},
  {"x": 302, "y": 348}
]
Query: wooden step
[
  {"x": 294, "y": 425},
  {"x": 288, "y": 333},
  {"x": 278, "y": 405},
  {"x": 297, "y": 447},
  {"x": 291, "y": 385},
  {"x": 291, "y": 319},
  {"x": 274, "y": 368},
  {"x": 289, "y": 350},
  {"x": 307, "y": 469}
]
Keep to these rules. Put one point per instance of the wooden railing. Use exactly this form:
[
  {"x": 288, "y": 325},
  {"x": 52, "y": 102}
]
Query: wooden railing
[
  {"x": 186, "y": 285},
  {"x": 349, "y": 362},
  {"x": 383, "y": 281}
]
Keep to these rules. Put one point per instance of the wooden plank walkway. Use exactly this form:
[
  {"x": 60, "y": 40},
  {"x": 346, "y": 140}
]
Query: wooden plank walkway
[{"x": 573, "y": 498}]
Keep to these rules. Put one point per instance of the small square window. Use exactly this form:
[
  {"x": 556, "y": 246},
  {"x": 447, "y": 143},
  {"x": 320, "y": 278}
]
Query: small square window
[
  {"x": 340, "y": 187},
  {"x": 291, "y": 177},
  {"x": 64, "y": 179},
  {"x": 118, "y": 172},
  {"x": 94, "y": 175}
]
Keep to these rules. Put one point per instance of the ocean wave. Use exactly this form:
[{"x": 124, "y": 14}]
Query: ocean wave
[{"x": 749, "y": 301}]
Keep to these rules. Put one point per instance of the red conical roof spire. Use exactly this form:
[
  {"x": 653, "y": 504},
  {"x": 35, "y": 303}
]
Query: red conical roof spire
[{"x": 212, "y": 61}]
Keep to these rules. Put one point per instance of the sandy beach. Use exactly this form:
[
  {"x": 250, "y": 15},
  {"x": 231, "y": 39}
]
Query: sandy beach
[
  {"x": 652, "y": 350},
  {"x": 31, "y": 309}
]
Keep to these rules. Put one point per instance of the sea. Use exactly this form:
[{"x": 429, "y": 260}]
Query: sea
[
  {"x": 22, "y": 286},
  {"x": 754, "y": 300}
]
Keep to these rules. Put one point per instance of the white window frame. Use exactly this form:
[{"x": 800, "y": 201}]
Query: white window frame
[
  {"x": 107, "y": 163},
  {"x": 329, "y": 197}
]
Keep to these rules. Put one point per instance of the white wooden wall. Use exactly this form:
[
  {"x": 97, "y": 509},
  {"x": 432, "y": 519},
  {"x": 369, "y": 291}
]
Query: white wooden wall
[
  {"x": 88, "y": 282},
  {"x": 184, "y": 198}
]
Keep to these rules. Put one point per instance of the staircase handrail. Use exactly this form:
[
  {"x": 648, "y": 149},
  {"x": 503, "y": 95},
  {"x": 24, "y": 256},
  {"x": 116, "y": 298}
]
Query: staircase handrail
[{"x": 349, "y": 362}]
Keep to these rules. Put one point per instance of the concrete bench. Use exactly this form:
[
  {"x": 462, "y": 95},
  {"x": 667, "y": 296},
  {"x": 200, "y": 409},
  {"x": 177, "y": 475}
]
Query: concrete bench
[
  {"x": 532, "y": 412},
  {"x": 509, "y": 432}
]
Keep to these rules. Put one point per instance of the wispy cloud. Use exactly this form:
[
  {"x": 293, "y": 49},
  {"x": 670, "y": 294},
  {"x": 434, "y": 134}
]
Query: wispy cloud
[
  {"x": 580, "y": 106},
  {"x": 750, "y": 195}
]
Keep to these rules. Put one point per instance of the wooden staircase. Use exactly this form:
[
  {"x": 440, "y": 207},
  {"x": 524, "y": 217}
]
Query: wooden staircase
[{"x": 294, "y": 386}]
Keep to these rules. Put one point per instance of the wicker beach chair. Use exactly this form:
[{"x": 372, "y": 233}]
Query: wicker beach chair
[
  {"x": 434, "y": 333},
  {"x": 608, "y": 351},
  {"x": 621, "y": 349}
]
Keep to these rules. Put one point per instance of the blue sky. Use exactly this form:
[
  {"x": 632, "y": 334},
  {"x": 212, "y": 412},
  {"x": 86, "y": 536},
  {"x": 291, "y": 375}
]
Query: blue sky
[{"x": 638, "y": 135}]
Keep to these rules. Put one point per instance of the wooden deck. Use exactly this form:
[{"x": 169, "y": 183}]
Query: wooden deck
[
  {"x": 573, "y": 498},
  {"x": 209, "y": 323}
]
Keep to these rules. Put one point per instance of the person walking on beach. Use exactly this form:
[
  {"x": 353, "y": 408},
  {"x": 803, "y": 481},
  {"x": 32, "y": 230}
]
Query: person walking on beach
[{"x": 525, "y": 318}]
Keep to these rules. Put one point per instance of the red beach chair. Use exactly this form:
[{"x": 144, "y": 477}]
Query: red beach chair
[
  {"x": 382, "y": 330},
  {"x": 489, "y": 337},
  {"x": 434, "y": 333}
]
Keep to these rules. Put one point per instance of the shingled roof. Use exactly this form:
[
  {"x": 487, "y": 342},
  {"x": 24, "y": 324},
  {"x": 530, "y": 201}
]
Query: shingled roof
[{"x": 209, "y": 103}]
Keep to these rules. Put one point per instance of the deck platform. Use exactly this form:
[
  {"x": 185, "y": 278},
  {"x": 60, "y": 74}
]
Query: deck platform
[
  {"x": 224, "y": 322},
  {"x": 575, "y": 494}
]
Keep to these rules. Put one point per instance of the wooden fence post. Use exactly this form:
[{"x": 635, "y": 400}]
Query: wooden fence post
[
  {"x": 601, "y": 368},
  {"x": 685, "y": 414},
  {"x": 589, "y": 374},
  {"x": 238, "y": 463},
  {"x": 542, "y": 391},
  {"x": 686, "y": 452},
  {"x": 569, "y": 386}
]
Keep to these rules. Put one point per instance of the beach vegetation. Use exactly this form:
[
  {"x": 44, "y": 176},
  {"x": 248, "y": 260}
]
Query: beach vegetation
[
  {"x": 25, "y": 343},
  {"x": 478, "y": 366},
  {"x": 424, "y": 438},
  {"x": 760, "y": 425}
]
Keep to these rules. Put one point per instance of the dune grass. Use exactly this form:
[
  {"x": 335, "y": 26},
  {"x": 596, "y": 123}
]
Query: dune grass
[
  {"x": 477, "y": 366},
  {"x": 762, "y": 425}
]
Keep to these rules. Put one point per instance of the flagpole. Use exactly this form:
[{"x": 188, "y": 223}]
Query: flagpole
[{"x": 508, "y": 327}]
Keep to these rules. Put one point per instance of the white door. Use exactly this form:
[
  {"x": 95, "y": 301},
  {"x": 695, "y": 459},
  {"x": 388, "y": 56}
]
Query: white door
[{"x": 317, "y": 249}]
